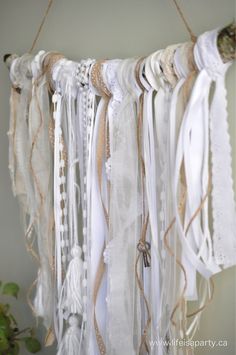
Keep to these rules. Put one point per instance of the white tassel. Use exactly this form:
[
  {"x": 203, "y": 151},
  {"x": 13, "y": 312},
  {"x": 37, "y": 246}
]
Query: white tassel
[
  {"x": 71, "y": 299},
  {"x": 71, "y": 341}
]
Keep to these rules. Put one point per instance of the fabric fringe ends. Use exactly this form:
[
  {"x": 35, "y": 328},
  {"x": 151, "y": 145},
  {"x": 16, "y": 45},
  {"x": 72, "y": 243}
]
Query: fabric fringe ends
[
  {"x": 71, "y": 342},
  {"x": 71, "y": 299}
]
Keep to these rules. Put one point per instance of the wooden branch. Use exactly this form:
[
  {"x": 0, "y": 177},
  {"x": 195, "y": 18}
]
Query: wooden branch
[
  {"x": 226, "y": 43},
  {"x": 8, "y": 59}
]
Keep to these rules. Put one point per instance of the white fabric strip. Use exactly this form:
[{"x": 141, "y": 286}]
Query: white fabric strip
[
  {"x": 120, "y": 254},
  {"x": 32, "y": 176},
  {"x": 212, "y": 69},
  {"x": 97, "y": 235},
  {"x": 41, "y": 170}
]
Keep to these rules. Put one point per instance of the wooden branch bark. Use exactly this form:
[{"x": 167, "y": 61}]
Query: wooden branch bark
[{"x": 226, "y": 43}]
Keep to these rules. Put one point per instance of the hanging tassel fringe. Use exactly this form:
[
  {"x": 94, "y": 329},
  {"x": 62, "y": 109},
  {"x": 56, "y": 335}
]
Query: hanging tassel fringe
[
  {"x": 71, "y": 341},
  {"x": 71, "y": 299}
]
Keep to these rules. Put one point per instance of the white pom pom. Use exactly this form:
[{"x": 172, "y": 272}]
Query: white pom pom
[{"x": 76, "y": 251}]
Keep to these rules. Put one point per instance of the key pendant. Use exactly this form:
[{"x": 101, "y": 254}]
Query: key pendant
[
  {"x": 144, "y": 247},
  {"x": 145, "y": 259}
]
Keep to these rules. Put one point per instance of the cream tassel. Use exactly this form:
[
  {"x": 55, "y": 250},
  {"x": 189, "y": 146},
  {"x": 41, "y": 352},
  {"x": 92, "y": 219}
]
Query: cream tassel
[
  {"x": 71, "y": 341},
  {"x": 71, "y": 299}
]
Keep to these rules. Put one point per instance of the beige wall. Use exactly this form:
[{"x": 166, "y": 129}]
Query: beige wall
[{"x": 104, "y": 29}]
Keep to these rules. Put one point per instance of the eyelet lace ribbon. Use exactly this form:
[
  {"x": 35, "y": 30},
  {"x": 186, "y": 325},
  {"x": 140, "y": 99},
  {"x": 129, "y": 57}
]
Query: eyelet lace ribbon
[{"x": 213, "y": 70}]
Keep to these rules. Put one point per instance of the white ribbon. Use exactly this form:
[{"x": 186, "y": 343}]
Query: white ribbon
[{"x": 213, "y": 70}]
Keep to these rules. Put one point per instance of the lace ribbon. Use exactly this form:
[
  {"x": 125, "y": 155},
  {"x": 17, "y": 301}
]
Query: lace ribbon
[{"x": 212, "y": 69}]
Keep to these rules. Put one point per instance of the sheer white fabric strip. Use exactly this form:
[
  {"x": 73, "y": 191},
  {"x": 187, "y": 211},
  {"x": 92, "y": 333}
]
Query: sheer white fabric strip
[
  {"x": 23, "y": 182},
  {"x": 32, "y": 155},
  {"x": 41, "y": 170},
  {"x": 124, "y": 322},
  {"x": 168, "y": 273}
]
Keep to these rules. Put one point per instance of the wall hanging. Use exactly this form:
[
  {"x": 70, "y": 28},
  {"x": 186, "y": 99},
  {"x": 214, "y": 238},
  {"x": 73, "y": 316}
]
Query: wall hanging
[{"x": 116, "y": 165}]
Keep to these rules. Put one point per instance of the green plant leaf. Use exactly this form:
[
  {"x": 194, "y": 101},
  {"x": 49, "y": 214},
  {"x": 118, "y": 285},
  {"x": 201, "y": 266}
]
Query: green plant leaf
[
  {"x": 5, "y": 324},
  {"x": 11, "y": 289},
  {"x": 4, "y": 344},
  {"x": 32, "y": 345}
]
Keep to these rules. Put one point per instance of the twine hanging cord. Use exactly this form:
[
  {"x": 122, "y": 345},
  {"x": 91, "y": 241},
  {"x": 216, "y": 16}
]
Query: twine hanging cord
[
  {"x": 188, "y": 28},
  {"x": 192, "y": 36},
  {"x": 41, "y": 26}
]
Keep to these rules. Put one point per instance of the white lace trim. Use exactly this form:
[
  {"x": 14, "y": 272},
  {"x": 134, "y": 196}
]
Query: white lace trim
[{"x": 224, "y": 218}]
